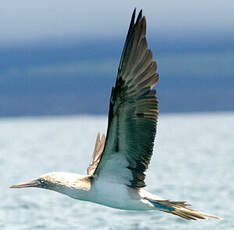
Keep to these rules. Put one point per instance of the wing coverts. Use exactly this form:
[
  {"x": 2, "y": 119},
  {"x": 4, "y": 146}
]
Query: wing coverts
[{"x": 133, "y": 108}]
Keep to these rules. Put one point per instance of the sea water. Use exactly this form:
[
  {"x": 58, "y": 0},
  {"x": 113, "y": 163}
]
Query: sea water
[{"x": 193, "y": 161}]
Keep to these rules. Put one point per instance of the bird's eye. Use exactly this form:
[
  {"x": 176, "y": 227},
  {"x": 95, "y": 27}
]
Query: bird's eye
[{"x": 42, "y": 180}]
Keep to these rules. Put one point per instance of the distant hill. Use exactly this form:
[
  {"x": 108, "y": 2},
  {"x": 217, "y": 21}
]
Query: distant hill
[{"x": 69, "y": 77}]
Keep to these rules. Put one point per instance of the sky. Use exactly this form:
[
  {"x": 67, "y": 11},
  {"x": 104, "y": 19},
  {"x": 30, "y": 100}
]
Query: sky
[
  {"x": 56, "y": 55},
  {"x": 27, "y": 21}
]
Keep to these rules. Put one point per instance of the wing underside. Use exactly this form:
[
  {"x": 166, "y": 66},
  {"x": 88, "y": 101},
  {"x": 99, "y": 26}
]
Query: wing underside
[
  {"x": 97, "y": 152},
  {"x": 133, "y": 110}
]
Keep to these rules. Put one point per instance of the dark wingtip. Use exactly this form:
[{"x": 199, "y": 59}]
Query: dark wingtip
[
  {"x": 139, "y": 17},
  {"x": 140, "y": 12},
  {"x": 132, "y": 21},
  {"x": 133, "y": 16}
]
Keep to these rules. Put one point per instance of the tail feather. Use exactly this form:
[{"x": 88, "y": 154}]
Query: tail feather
[{"x": 180, "y": 208}]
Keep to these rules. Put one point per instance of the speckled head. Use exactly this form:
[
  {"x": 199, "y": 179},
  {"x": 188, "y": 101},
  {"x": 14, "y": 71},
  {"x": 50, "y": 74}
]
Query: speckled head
[
  {"x": 44, "y": 181},
  {"x": 57, "y": 181}
]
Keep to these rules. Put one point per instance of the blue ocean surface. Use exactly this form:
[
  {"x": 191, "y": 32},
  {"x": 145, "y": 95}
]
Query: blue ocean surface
[{"x": 193, "y": 161}]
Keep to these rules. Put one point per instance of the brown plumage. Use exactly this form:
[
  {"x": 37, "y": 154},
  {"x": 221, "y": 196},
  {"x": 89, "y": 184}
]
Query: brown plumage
[
  {"x": 181, "y": 209},
  {"x": 97, "y": 152},
  {"x": 133, "y": 106},
  {"x": 116, "y": 172}
]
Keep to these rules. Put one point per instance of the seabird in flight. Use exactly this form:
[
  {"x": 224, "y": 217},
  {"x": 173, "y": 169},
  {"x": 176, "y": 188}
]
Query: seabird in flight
[{"x": 115, "y": 176}]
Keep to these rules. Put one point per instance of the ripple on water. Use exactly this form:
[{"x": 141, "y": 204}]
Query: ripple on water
[{"x": 193, "y": 162}]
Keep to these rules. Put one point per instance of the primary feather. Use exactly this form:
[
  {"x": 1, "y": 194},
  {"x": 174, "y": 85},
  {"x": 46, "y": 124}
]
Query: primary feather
[{"x": 133, "y": 111}]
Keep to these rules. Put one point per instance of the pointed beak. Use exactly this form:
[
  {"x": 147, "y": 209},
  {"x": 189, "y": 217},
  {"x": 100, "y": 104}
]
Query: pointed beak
[{"x": 31, "y": 183}]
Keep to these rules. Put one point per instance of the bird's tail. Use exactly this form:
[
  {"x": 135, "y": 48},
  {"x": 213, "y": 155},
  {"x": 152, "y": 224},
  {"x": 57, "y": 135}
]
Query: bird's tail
[{"x": 180, "y": 208}]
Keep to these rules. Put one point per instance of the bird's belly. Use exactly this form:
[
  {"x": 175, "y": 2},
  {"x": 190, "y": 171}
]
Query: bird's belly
[{"x": 117, "y": 196}]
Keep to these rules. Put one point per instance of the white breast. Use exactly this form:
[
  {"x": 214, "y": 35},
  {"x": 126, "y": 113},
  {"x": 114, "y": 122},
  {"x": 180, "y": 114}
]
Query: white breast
[{"x": 117, "y": 196}]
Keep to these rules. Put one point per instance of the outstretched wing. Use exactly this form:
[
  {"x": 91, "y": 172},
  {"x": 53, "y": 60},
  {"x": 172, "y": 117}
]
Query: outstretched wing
[
  {"x": 132, "y": 113},
  {"x": 97, "y": 152}
]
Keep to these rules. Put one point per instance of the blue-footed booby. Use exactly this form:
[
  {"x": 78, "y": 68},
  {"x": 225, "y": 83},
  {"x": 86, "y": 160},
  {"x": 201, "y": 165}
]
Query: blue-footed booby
[{"x": 116, "y": 174}]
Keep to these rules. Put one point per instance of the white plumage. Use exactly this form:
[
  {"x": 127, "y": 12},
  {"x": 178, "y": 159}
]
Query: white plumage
[{"x": 117, "y": 170}]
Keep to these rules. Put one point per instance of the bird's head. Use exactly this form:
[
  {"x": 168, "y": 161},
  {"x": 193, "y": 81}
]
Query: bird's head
[{"x": 53, "y": 181}]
